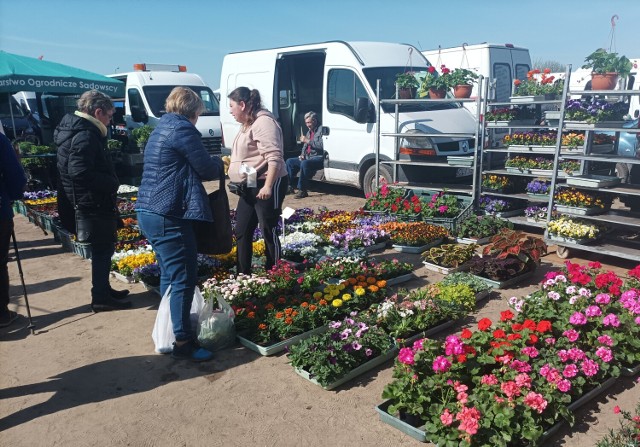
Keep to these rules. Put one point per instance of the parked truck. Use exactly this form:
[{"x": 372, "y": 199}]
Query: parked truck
[
  {"x": 147, "y": 88},
  {"x": 337, "y": 80}
]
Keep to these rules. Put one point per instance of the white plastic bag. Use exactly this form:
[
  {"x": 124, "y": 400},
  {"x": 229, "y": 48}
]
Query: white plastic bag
[
  {"x": 162, "y": 334},
  {"x": 216, "y": 329}
]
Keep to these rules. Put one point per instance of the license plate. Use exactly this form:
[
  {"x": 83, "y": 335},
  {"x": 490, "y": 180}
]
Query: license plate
[
  {"x": 464, "y": 145},
  {"x": 464, "y": 172}
]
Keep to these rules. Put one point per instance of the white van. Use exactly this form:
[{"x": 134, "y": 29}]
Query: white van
[
  {"x": 147, "y": 89},
  {"x": 500, "y": 63},
  {"x": 337, "y": 80}
]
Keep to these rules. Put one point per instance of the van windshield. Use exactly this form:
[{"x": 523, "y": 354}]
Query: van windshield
[
  {"x": 157, "y": 95},
  {"x": 387, "y": 76}
]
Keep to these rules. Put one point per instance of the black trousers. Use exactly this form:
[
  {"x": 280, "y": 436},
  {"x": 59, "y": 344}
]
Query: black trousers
[
  {"x": 6, "y": 228},
  {"x": 252, "y": 211}
]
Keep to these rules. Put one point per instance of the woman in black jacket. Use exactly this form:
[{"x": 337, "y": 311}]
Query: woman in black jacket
[{"x": 87, "y": 189}]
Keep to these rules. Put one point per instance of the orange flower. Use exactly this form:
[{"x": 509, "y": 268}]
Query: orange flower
[
  {"x": 262, "y": 327},
  {"x": 313, "y": 307},
  {"x": 360, "y": 278},
  {"x": 251, "y": 315},
  {"x": 279, "y": 315},
  {"x": 288, "y": 311},
  {"x": 373, "y": 288},
  {"x": 352, "y": 281},
  {"x": 304, "y": 304},
  {"x": 269, "y": 306},
  {"x": 288, "y": 320},
  {"x": 323, "y": 302},
  {"x": 382, "y": 283},
  {"x": 294, "y": 313},
  {"x": 371, "y": 280}
]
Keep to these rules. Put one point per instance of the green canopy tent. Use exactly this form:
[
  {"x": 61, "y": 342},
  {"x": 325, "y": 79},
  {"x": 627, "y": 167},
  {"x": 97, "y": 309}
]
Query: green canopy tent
[{"x": 22, "y": 73}]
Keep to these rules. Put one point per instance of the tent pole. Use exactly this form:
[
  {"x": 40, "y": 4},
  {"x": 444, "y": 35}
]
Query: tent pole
[{"x": 13, "y": 122}]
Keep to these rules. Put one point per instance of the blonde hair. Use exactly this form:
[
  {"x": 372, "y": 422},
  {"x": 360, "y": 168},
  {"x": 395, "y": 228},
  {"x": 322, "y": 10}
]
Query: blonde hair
[
  {"x": 184, "y": 101},
  {"x": 92, "y": 100}
]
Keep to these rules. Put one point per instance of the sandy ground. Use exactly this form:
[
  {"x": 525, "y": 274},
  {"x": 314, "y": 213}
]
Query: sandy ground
[{"x": 89, "y": 379}]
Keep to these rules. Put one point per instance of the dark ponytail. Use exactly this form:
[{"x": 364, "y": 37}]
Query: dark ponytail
[{"x": 251, "y": 98}]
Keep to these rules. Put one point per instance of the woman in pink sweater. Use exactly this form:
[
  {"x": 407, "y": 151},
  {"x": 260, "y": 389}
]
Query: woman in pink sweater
[{"x": 258, "y": 145}]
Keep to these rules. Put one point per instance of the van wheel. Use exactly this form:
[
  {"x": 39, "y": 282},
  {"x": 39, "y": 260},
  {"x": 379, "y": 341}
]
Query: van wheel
[
  {"x": 369, "y": 180},
  {"x": 622, "y": 172}
]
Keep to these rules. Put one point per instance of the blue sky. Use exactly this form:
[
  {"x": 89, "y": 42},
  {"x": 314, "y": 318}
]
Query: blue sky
[{"x": 108, "y": 35}]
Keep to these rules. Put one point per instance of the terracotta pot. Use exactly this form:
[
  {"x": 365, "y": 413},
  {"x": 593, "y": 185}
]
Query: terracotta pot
[
  {"x": 437, "y": 94},
  {"x": 407, "y": 93},
  {"x": 606, "y": 81},
  {"x": 462, "y": 91}
]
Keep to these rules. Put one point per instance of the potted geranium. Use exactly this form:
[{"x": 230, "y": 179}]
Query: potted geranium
[
  {"x": 380, "y": 201},
  {"x": 606, "y": 67},
  {"x": 407, "y": 84},
  {"x": 462, "y": 80},
  {"x": 436, "y": 85},
  {"x": 442, "y": 204}
]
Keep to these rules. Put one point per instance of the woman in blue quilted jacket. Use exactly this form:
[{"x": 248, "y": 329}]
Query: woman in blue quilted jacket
[{"x": 170, "y": 198}]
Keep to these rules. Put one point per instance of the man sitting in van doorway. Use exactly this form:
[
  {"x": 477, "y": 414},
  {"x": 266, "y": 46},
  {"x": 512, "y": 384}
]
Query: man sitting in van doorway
[{"x": 311, "y": 158}]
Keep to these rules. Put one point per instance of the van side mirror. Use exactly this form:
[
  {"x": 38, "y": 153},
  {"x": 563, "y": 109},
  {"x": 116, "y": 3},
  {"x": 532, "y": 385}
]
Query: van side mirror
[
  {"x": 139, "y": 115},
  {"x": 365, "y": 113}
]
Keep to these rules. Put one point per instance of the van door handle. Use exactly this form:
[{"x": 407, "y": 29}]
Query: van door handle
[{"x": 325, "y": 130}]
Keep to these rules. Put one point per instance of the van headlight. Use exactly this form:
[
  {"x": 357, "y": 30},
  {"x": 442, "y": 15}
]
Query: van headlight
[{"x": 414, "y": 144}]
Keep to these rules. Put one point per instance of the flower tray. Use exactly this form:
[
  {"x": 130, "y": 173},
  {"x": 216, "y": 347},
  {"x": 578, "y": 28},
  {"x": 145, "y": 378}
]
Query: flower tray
[
  {"x": 508, "y": 213},
  {"x": 19, "y": 207},
  {"x": 470, "y": 240},
  {"x": 354, "y": 372},
  {"x": 416, "y": 250},
  {"x": 601, "y": 148},
  {"x": 510, "y": 123},
  {"x": 123, "y": 278},
  {"x": 538, "y": 148},
  {"x": 444, "y": 270},
  {"x": 405, "y": 342},
  {"x": 538, "y": 197},
  {"x": 82, "y": 249},
  {"x": 64, "y": 237},
  {"x": 482, "y": 295},
  {"x": 513, "y": 170},
  {"x": 460, "y": 161},
  {"x": 528, "y": 98},
  {"x": 629, "y": 371},
  {"x": 451, "y": 223},
  {"x": 578, "y": 211},
  {"x": 571, "y": 240},
  {"x": 584, "y": 125},
  {"x": 508, "y": 282},
  {"x": 376, "y": 247},
  {"x": 281, "y": 345},
  {"x": 400, "y": 279},
  {"x": 593, "y": 181},
  {"x": 543, "y": 172}
]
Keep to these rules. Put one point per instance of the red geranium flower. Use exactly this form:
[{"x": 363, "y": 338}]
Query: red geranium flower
[
  {"x": 506, "y": 315},
  {"x": 466, "y": 333},
  {"x": 484, "y": 324}
]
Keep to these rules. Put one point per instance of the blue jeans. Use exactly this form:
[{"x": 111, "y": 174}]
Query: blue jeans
[
  {"x": 174, "y": 243},
  {"x": 307, "y": 169}
]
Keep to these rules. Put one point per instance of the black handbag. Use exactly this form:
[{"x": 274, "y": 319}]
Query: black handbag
[{"x": 215, "y": 238}]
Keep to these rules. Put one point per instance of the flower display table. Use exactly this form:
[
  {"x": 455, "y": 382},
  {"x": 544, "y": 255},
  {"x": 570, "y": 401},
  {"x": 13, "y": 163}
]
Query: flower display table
[
  {"x": 281, "y": 345},
  {"x": 471, "y": 240},
  {"x": 571, "y": 240},
  {"x": 586, "y": 126},
  {"x": 391, "y": 353}
]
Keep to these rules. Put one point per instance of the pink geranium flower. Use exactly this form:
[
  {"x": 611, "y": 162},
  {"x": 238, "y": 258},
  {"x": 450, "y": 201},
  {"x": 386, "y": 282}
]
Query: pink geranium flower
[
  {"x": 578, "y": 319},
  {"x": 406, "y": 356},
  {"x": 535, "y": 401},
  {"x": 446, "y": 417},
  {"x": 441, "y": 364},
  {"x": 611, "y": 320}
]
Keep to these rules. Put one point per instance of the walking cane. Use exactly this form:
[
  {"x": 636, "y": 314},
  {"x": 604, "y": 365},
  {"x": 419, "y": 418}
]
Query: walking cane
[{"x": 24, "y": 287}]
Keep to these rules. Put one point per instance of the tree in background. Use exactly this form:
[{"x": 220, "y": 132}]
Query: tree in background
[{"x": 555, "y": 66}]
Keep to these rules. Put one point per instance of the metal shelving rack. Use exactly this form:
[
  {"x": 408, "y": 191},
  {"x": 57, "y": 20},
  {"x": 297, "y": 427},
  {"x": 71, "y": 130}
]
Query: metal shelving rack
[
  {"x": 555, "y": 151},
  {"x": 617, "y": 219},
  {"x": 397, "y": 162}
]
